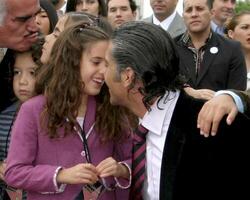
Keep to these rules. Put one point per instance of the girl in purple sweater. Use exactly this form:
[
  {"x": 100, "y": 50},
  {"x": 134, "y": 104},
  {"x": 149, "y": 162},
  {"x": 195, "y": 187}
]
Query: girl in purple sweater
[{"x": 69, "y": 140}]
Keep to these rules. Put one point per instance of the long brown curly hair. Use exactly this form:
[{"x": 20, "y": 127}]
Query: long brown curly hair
[{"x": 61, "y": 83}]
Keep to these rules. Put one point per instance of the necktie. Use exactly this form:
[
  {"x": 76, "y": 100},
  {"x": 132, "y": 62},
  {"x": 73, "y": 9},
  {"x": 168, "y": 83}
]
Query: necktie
[{"x": 138, "y": 162}]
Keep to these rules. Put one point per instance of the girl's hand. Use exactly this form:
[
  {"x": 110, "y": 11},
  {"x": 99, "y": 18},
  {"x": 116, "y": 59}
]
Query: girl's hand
[
  {"x": 2, "y": 170},
  {"x": 85, "y": 173},
  {"x": 110, "y": 167}
]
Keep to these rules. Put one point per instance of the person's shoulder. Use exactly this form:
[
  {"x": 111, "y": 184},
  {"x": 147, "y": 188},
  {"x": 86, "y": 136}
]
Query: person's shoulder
[
  {"x": 148, "y": 19},
  {"x": 226, "y": 41},
  {"x": 34, "y": 103},
  {"x": 178, "y": 39},
  {"x": 12, "y": 108},
  {"x": 179, "y": 18}
]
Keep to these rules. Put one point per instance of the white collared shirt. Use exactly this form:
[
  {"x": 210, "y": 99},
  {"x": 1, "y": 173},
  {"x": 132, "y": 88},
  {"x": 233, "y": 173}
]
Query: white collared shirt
[
  {"x": 157, "y": 122},
  {"x": 216, "y": 28},
  {"x": 166, "y": 22},
  {"x": 61, "y": 11}
]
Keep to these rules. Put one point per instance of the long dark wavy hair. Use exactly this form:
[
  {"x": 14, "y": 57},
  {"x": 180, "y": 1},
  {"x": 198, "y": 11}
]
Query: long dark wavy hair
[{"x": 61, "y": 83}]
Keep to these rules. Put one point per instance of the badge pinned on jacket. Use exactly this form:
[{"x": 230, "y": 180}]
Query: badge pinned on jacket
[{"x": 214, "y": 50}]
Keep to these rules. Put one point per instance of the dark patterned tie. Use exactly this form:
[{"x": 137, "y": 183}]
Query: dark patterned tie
[{"x": 138, "y": 162}]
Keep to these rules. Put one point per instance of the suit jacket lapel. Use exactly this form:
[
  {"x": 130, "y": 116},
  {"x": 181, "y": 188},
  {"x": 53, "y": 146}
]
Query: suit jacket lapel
[
  {"x": 148, "y": 19},
  {"x": 177, "y": 26},
  {"x": 208, "y": 57},
  {"x": 187, "y": 64},
  {"x": 171, "y": 154}
]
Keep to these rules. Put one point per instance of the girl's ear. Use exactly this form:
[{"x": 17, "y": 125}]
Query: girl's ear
[{"x": 230, "y": 34}]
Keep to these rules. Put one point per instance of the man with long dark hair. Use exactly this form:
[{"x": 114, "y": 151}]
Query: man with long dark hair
[{"x": 179, "y": 163}]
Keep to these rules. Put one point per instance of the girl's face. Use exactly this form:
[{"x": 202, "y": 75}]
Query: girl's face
[
  {"x": 242, "y": 32},
  {"x": 92, "y": 67},
  {"x": 51, "y": 38},
  {"x": 88, "y": 6},
  {"x": 42, "y": 21},
  {"x": 24, "y": 76}
]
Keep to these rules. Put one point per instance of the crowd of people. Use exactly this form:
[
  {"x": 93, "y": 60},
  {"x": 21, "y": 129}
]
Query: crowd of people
[{"x": 99, "y": 104}]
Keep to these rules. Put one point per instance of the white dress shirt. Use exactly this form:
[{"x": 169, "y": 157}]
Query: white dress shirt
[
  {"x": 61, "y": 11},
  {"x": 166, "y": 22},
  {"x": 217, "y": 29},
  {"x": 157, "y": 122}
]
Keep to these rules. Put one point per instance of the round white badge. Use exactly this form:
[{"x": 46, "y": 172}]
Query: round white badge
[{"x": 213, "y": 50}]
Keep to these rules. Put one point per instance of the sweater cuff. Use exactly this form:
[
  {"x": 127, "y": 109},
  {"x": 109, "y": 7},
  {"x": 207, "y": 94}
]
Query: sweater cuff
[
  {"x": 58, "y": 189},
  {"x": 120, "y": 182}
]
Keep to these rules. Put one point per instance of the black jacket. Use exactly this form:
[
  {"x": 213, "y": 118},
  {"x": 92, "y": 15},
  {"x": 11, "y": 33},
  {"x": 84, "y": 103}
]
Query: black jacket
[
  {"x": 198, "y": 168},
  {"x": 225, "y": 69}
]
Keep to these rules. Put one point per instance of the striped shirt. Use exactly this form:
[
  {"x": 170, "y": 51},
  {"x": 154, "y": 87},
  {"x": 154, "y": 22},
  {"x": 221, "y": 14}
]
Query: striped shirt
[{"x": 6, "y": 121}]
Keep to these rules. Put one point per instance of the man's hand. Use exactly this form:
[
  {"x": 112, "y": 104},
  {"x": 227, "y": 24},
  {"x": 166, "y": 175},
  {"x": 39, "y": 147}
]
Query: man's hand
[{"x": 213, "y": 111}]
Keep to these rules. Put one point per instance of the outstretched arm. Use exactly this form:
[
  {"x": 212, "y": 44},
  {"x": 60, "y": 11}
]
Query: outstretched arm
[{"x": 205, "y": 94}]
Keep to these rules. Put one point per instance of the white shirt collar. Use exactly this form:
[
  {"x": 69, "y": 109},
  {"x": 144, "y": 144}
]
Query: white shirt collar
[
  {"x": 63, "y": 8},
  {"x": 166, "y": 22},
  {"x": 213, "y": 25},
  {"x": 216, "y": 28},
  {"x": 158, "y": 113},
  {"x": 61, "y": 11}
]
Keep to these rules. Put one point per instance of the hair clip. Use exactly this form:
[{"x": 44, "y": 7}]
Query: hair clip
[{"x": 83, "y": 26}]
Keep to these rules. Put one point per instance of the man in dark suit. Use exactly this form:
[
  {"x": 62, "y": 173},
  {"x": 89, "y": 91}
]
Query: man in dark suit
[
  {"x": 180, "y": 163},
  {"x": 166, "y": 16},
  {"x": 209, "y": 61}
]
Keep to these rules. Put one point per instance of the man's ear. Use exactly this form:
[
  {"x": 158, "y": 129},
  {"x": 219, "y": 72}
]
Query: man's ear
[
  {"x": 134, "y": 14},
  {"x": 127, "y": 76}
]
